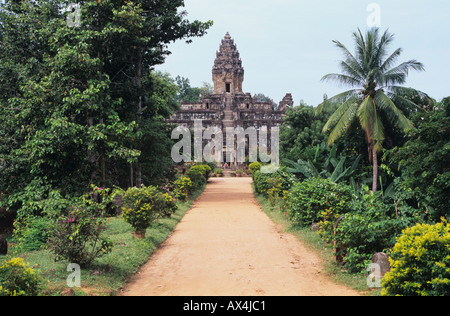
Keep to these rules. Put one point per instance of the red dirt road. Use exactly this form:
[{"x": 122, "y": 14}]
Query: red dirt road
[{"x": 227, "y": 246}]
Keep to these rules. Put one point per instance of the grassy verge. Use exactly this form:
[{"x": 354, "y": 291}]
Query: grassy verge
[
  {"x": 110, "y": 273},
  {"x": 313, "y": 241}
]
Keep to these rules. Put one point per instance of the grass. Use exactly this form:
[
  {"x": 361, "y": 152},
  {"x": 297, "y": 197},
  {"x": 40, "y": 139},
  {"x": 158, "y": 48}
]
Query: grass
[
  {"x": 313, "y": 241},
  {"x": 108, "y": 274}
]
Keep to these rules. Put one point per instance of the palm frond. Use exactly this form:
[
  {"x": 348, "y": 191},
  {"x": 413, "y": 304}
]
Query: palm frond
[
  {"x": 344, "y": 122},
  {"x": 337, "y": 115},
  {"x": 335, "y": 101},
  {"x": 383, "y": 44},
  {"x": 395, "y": 116},
  {"x": 342, "y": 79},
  {"x": 370, "y": 120},
  {"x": 391, "y": 60},
  {"x": 405, "y": 67}
]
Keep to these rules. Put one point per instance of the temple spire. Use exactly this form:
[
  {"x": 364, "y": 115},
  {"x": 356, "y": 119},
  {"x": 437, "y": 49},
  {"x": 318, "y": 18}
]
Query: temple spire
[{"x": 228, "y": 73}]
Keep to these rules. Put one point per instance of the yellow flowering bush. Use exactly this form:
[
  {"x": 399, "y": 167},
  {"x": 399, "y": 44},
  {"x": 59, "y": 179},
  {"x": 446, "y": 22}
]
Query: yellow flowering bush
[
  {"x": 18, "y": 279},
  {"x": 183, "y": 188},
  {"x": 142, "y": 206},
  {"x": 254, "y": 167},
  {"x": 420, "y": 262}
]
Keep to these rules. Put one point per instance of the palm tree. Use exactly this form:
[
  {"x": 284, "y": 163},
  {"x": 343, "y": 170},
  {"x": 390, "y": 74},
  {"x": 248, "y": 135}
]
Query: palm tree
[{"x": 376, "y": 88}]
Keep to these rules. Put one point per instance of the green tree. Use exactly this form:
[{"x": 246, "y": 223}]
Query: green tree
[
  {"x": 74, "y": 100},
  {"x": 377, "y": 97},
  {"x": 423, "y": 161},
  {"x": 300, "y": 133}
]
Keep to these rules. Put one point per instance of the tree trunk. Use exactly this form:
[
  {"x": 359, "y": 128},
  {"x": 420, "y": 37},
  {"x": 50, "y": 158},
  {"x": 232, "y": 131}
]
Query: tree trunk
[
  {"x": 139, "y": 85},
  {"x": 375, "y": 168}
]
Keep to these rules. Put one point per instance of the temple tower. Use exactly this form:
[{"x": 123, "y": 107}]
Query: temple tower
[{"x": 228, "y": 73}]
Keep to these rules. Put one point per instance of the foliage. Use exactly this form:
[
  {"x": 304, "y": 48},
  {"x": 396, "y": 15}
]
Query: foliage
[
  {"x": 79, "y": 104},
  {"x": 273, "y": 193},
  {"x": 18, "y": 279},
  {"x": 370, "y": 227},
  {"x": 218, "y": 171},
  {"x": 420, "y": 262},
  {"x": 308, "y": 199},
  {"x": 183, "y": 188},
  {"x": 264, "y": 181},
  {"x": 142, "y": 206},
  {"x": 170, "y": 206},
  {"x": 188, "y": 94},
  {"x": 333, "y": 169},
  {"x": 300, "y": 133},
  {"x": 197, "y": 176},
  {"x": 77, "y": 236},
  {"x": 376, "y": 98},
  {"x": 32, "y": 233},
  {"x": 423, "y": 161},
  {"x": 254, "y": 167},
  {"x": 205, "y": 169}
]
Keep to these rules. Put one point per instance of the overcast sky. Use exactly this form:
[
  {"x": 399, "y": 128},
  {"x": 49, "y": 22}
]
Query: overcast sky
[{"x": 286, "y": 45}]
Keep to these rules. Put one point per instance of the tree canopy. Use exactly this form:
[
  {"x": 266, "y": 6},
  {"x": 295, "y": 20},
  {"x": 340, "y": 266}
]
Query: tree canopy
[
  {"x": 79, "y": 103},
  {"x": 377, "y": 97}
]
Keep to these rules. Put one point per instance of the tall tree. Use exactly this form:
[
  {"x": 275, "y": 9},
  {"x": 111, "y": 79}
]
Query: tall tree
[
  {"x": 73, "y": 98},
  {"x": 377, "y": 97}
]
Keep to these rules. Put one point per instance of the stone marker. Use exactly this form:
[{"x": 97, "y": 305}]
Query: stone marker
[{"x": 382, "y": 260}]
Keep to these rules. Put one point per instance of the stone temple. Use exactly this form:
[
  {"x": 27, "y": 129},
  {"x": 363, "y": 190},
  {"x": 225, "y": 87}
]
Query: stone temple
[{"x": 229, "y": 106}]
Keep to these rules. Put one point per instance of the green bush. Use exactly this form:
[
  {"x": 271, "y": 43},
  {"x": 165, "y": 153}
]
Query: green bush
[
  {"x": 196, "y": 174},
  {"x": 254, "y": 167},
  {"x": 170, "y": 206},
  {"x": 142, "y": 206},
  {"x": 308, "y": 199},
  {"x": 206, "y": 170},
  {"x": 370, "y": 227},
  {"x": 183, "y": 188},
  {"x": 263, "y": 182},
  {"x": 18, "y": 279},
  {"x": 32, "y": 233},
  {"x": 76, "y": 236},
  {"x": 420, "y": 262}
]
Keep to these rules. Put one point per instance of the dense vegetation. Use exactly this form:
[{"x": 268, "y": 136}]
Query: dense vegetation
[
  {"x": 406, "y": 210},
  {"x": 85, "y": 152},
  {"x": 82, "y": 112}
]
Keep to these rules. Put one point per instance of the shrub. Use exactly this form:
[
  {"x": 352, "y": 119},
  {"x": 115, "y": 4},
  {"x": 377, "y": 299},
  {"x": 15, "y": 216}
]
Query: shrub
[
  {"x": 183, "y": 188},
  {"x": 275, "y": 189},
  {"x": 76, "y": 237},
  {"x": 420, "y": 262},
  {"x": 32, "y": 233},
  {"x": 263, "y": 182},
  {"x": 254, "y": 167},
  {"x": 142, "y": 206},
  {"x": 197, "y": 177},
  {"x": 306, "y": 200},
  {"x": 18, "y": 279},
  {"x": 170, "y": 206},
  {"x": 218, "y": 171},
  {"x": 205, "y": 169},
  {"x": 370, "y": 227}
]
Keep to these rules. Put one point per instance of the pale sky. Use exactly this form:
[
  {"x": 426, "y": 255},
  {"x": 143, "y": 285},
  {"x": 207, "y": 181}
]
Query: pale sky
[{"x": 286, "y": 45}]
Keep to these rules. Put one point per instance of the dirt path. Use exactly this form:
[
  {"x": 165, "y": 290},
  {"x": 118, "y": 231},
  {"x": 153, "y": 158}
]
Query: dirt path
[{"x": 227, "y": 246}]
